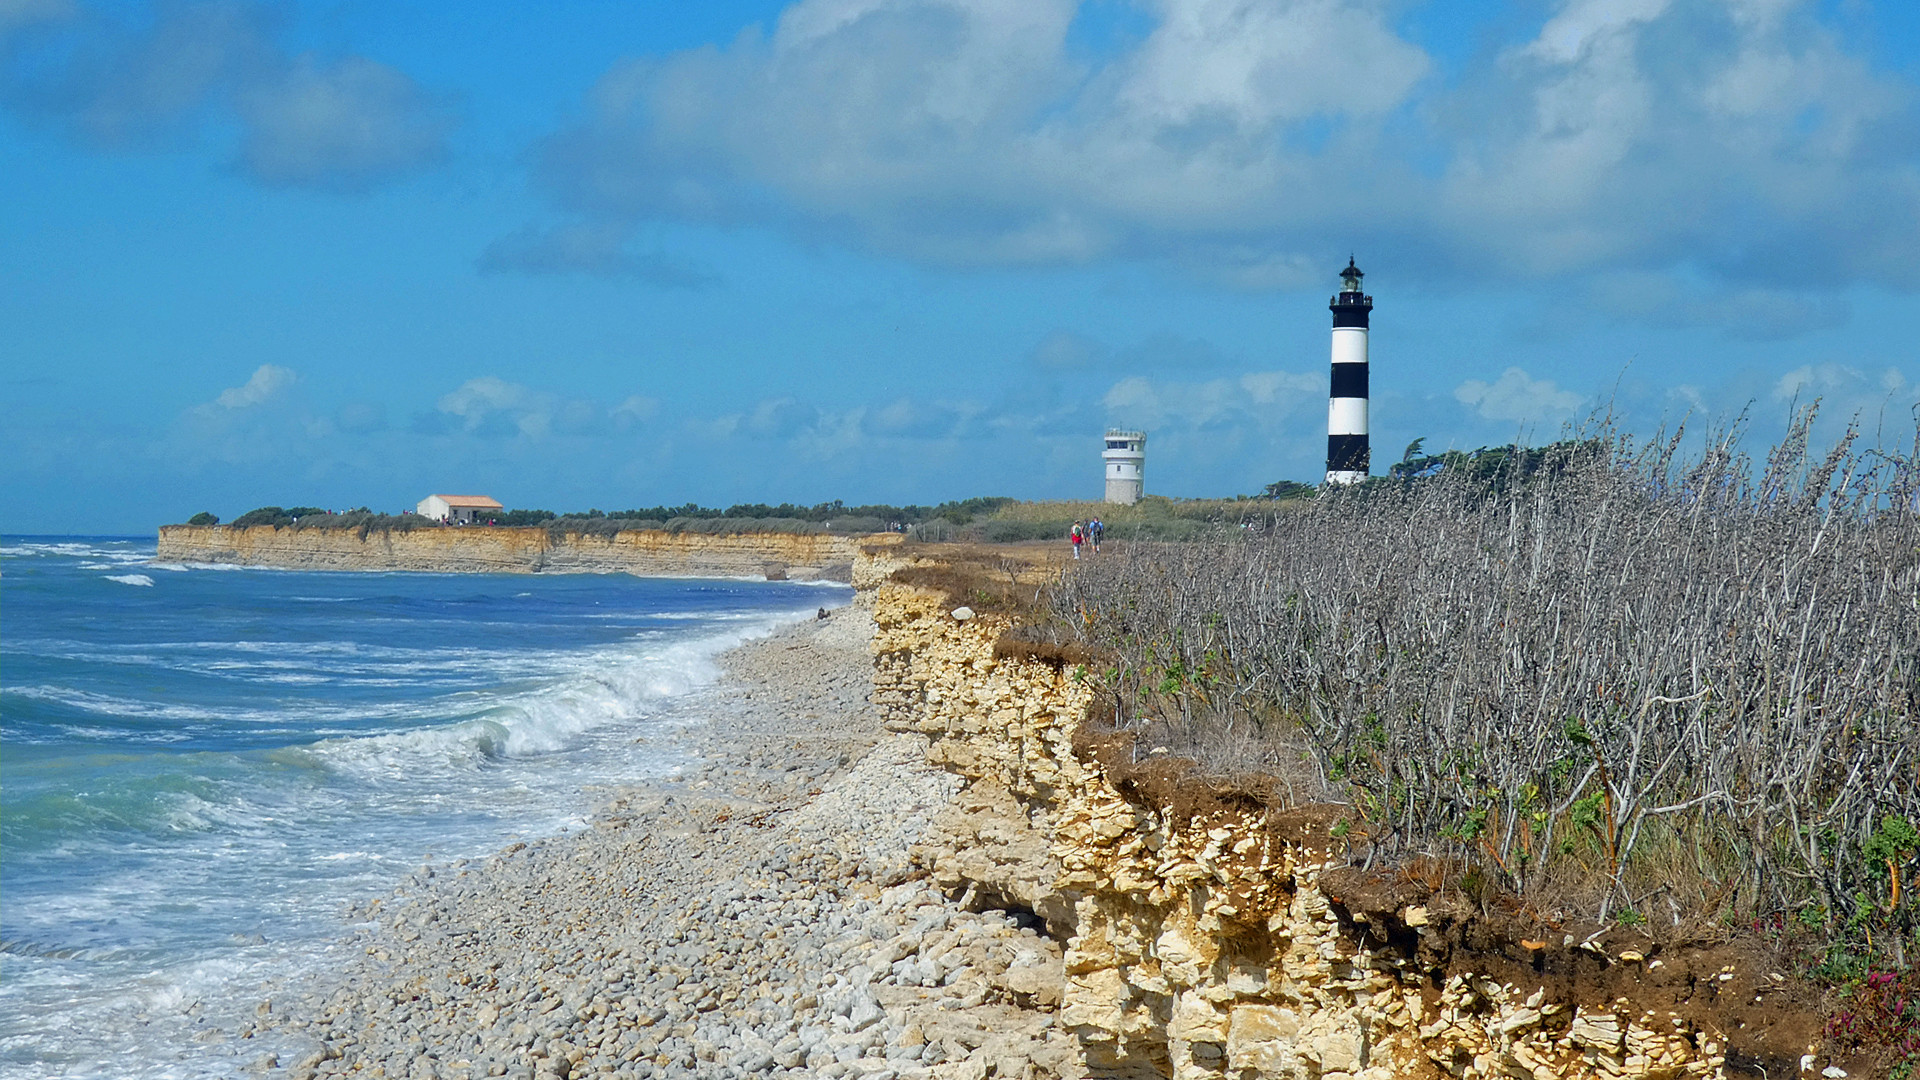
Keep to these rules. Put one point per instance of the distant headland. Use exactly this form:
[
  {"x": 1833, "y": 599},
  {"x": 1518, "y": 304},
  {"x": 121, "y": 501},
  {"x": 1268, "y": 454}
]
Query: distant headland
[{"x": 784, "y": 541}]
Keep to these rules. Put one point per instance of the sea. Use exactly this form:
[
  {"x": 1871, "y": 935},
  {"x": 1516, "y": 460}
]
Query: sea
[{"x": 202, "y": 768}]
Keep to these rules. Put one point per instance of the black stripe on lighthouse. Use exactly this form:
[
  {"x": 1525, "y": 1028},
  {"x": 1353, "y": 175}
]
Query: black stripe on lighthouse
[
  {"x": 1348, "y": 453},
  {"x": 1349, "y": 380}
]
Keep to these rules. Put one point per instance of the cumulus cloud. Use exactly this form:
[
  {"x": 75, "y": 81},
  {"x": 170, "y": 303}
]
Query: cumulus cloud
[
  {"x": 779, "y": 418},
  {"x": 906, "y": 418},
  {"x": 333, "y": 123},
  {"x": 233, "y": 425},
  {"x": 346, "y": 125},
  {"x": 492, "y": 407},
  {"x": 268, "y": 382},
  {"x": 1810, "y": 380},
  {"x": 1740, "y": 138},
  {"x": 971, "y": 134},
  {"x": 1847, "y": 393},
  {"x": 599, "y": 248},
  {"x": 1517, "y": 396},
  {"x": 635, "y": 409},
  {"x": 1246, "y": 141},
  {"x": 1261, "y": 398}
]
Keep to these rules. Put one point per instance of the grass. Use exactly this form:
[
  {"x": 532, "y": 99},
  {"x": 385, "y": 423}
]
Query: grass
[{"x": 1154, "y": 518}]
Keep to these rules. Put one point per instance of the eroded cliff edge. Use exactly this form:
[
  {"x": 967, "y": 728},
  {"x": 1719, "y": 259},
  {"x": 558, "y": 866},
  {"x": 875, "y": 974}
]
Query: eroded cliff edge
[
  {"x": 651, "y": 553},
  {"x": 1208, "y": 935}
]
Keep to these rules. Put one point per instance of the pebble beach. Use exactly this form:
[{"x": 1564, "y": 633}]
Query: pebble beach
[{"x": 762, "y": 913}]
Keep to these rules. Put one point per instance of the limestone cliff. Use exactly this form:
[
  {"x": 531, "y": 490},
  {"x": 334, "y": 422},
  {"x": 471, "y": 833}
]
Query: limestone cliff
[
  {"x": 1217, "y": 940},
  {"x": 650, "y": 553}
]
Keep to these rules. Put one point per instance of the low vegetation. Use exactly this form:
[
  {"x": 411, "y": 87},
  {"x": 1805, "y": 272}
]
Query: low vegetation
[
  {"x": 1154, "y": 518},
  {"x": 829, "y": 517},
  {"x": 835, "y": 517},
  {"x": 1598, "y": 679}
]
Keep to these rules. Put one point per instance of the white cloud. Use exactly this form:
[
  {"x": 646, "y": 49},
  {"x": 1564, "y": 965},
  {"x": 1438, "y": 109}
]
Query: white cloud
[
  {"x": 493, "y": 407},
  {"x": 268, "y": 382},
  {"x": 344, "y": 126},
  {"x": 261, "y": 418},
  {"x": 1261, "y": 399},
  {"x": 1845, "y": 391},
  {"x": 488, "y": 393},
  {"x": 159, "y": 78},
  {"x": 1580, "y": 23},
  {"x": 1736, "y": 138},
  {"x": 1250, "y": 142},
  {"x": 1517, "y": 396},
  {"x": 972, "y": 134},
  {"x": 637, "y": 408}
]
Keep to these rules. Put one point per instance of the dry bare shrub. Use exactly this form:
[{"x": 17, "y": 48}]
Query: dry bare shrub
[{"x": 1634, "y": 684}]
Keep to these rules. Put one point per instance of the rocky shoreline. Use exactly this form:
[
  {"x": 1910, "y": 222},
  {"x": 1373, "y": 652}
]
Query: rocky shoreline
[
  {"x": 761, "y": 914},
  {"x": 518, "y": 550}
]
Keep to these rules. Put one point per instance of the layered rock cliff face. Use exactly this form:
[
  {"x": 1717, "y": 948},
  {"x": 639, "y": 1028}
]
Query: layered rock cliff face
[
  {"x": 649, "y": 553},
  {"x": 1215, "y": 940}
]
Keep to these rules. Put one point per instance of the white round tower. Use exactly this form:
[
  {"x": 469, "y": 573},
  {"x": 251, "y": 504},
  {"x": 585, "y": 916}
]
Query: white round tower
[{"x": 1126, "y": 466}]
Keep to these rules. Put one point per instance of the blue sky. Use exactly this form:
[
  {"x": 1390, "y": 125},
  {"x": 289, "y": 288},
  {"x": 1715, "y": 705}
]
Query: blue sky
[{"x": 613, "y": 255}]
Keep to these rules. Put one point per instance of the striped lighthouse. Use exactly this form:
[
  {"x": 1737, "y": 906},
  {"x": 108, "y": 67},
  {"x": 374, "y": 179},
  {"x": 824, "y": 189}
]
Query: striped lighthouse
[{"x": 1348, "y": 452}]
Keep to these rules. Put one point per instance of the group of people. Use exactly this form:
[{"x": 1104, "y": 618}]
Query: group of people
[{"x": 1086, "y": 532}]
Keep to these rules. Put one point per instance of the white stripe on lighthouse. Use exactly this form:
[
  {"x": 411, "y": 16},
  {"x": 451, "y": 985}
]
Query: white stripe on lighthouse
[
  {"x": 1349, "y": 345},
  {"x": 1347, "y": 416}
]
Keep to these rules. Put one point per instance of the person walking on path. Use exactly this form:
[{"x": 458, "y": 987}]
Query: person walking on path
[
  {"x": 1095, "y": 530},
  {"x": 1076, "y": 535}
]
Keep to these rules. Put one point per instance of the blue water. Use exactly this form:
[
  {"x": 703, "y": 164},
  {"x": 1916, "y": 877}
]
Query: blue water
[{"x": 200, "y": 767}]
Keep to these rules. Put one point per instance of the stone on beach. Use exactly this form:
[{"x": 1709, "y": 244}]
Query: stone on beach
[{"x": 759, "y": 915}]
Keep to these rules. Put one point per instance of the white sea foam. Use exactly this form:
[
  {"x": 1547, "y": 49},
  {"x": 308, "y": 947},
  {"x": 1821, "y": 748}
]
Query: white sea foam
[
  {"x": 130, "y": 579},
  {"x": 604, "y": 688},
  {"x": 133, "y": 708},
  {"x": 71, "y": 549},
  {"x": 270, "y": 843},
  {"x": 120, "y": 735}
]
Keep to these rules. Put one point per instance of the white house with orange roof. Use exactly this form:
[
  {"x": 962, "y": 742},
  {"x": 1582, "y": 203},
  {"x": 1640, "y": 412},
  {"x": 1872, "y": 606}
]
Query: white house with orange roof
[{"x": 458, "y": 509}]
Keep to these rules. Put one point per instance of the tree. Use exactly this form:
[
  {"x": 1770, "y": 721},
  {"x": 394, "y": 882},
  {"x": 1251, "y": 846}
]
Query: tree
[{"x": 1287, "y": 489}]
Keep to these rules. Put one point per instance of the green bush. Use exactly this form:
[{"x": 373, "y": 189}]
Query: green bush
[
  {"x": 265, "y": 515},
  {"x": 203, "y": 518}
]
